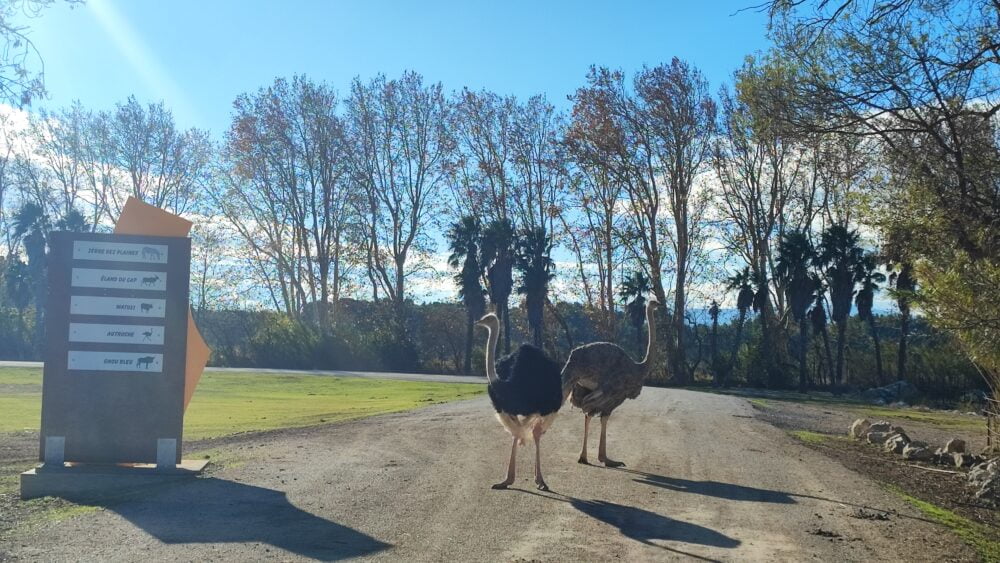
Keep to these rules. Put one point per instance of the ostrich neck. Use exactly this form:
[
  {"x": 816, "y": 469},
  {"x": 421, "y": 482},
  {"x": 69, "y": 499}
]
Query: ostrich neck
[
  {"x": 491, "y": 350},
  {"x": 651, "y": 343}
]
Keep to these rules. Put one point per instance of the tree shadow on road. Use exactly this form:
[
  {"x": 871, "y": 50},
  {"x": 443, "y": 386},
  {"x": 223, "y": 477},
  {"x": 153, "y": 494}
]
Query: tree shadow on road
[
  {"x": 210, "y": 510},
  {"x": 712, "y": 488}
]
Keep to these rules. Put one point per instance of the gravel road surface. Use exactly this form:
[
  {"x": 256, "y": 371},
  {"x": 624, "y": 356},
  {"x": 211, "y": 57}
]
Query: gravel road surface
[{"x": 704, "y": 481}]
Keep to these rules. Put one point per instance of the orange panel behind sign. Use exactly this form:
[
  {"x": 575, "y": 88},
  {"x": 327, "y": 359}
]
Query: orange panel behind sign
[{"x": 138, "y": 218}]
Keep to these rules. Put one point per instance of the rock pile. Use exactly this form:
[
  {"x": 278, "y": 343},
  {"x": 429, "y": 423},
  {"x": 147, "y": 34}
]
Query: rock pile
[
  {"x": 894, "y": 439},
  {"x": 985, "y": 477}
]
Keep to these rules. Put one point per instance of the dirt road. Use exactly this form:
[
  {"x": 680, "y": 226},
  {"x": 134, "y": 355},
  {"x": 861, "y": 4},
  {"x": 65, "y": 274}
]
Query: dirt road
[{"x": 704, "y": 480}]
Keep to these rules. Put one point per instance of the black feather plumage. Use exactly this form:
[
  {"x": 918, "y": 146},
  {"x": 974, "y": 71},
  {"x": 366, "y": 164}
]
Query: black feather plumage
[{"x": 528, "y": 383}]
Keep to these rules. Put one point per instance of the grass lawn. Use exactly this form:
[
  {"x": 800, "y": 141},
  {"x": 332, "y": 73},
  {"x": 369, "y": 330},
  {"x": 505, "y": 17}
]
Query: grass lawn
[{"x": 229, "y": 403}]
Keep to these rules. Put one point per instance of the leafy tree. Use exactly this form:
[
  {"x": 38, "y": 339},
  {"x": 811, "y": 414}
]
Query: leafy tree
[
  {"x": 840, "y": 256},
  {"x": 463, "y": 241},
  {"x": 869, "y": 279},
  {"x": 792, "y": 269},
  {"x": 633, "y": 291}
]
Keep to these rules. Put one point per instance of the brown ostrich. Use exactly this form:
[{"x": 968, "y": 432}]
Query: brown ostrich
[{"x": 599, "y": 376}]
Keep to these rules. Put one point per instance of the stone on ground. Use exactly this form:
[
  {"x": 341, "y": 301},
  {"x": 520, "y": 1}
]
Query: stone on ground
[{"x": 859, "y": 428}]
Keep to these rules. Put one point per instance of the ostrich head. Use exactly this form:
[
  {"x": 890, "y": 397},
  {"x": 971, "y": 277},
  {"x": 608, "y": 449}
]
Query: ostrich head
[{"x": 489, "y": 321}]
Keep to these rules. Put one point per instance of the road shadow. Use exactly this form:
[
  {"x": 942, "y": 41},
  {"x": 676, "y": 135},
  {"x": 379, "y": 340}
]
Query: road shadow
[
  {"x": 210, "y": 510},
  {"x": 645, "y": 526},
  {"x": 717, "y": 489},
  {"x": 730, "y": 491}
]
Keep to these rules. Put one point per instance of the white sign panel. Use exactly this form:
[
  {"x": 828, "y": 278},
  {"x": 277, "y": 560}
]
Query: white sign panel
[
  {"x": 115, "y": 334},
  {"x": 116, "y": 306},
  {"x": 115, "y": 361},
  {"x": 119, "y": 279},
  {"x": 120, "y": 252}
]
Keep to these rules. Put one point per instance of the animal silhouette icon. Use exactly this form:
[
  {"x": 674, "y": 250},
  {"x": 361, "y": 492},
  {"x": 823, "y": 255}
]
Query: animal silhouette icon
[
  {"x": 149, "y": 281},
  {"x": 146, "y": 307},
  {"x": 147, "y": 335},
  {"x": 147, "y": 360},
  {"x": 150, "y": 253}
]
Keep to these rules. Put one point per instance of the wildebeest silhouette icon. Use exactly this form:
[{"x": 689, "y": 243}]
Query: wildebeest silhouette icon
[{"x": 150, "y": 253}]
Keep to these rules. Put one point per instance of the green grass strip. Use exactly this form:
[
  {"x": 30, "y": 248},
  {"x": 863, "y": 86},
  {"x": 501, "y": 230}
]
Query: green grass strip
[{"x": 980, "y": 537}]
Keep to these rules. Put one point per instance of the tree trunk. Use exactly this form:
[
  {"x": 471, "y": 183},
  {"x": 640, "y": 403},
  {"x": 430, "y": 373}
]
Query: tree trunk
[
  {"x": 680, "y": 356},
  {"x": 904, "y": 333},
  {"x": 878, "y": 350},
  {"x": 840, "y": 376},
  {"x": 829, "y": 354},
  {"x": 715, "y": 350},
  {"x": 506, "y": 327},
  {"x": 803, "y": 348},
  {"x": 469, "y": 334}
]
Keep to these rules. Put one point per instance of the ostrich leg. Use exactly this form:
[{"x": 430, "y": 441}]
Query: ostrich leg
[
  {"x": 536, "y": 432},
  {"x": 586, "y": 428},
  {"x": 510, "y": 468},
  {"x": 602, "y": 452}
]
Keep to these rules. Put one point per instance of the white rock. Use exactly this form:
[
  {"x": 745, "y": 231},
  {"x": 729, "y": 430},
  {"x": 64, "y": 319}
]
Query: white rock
[
  {"x": 859, "y": 428},
  {"x": 917, "y": 453},
  {"x": 955, "y": 446},
  {"x": 881, "y": 426}
]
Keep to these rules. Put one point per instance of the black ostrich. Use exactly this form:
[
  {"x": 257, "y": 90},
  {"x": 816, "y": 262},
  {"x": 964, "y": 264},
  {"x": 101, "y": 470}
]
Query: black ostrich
[{"x": 526, "y": 390}]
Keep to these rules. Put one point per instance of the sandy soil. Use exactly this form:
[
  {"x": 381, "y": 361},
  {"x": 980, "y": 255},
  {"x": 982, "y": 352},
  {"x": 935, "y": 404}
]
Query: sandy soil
[{"x": 704, "y": 480}]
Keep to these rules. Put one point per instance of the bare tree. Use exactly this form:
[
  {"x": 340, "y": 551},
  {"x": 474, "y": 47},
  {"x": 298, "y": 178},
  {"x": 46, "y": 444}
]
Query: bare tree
[
  {"x": 399, "y": 150},
  {"x": 162, "y": 166},
  {"x": 681, "y": 116},
  {"x": 288, "y": 194},
  {"x": 759, "y": 167}
]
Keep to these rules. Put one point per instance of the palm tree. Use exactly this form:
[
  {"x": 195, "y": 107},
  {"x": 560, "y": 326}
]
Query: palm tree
[
  {"x": 463, "y": 241},
  {"x": 741, "y": 282},
  {"x": 870, "y": 277},
  {"x": 533, "y": 261},
  {"x": 792, "y": 270},
  {"x": 839, "y": 256},
  {"x": 498, "y": 260},
  {"x": 31, "y": 224},
  {"x": 633, "y": 291}
]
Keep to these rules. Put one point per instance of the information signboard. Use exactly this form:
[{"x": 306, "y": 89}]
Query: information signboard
[{"x": 116, "y": 325}]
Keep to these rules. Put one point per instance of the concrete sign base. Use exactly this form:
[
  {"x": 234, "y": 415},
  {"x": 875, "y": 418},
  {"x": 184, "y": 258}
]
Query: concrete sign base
[{"x": 93, "y": 482}]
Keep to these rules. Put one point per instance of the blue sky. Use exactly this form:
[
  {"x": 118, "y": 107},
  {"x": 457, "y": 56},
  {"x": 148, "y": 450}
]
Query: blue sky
[{"x": 198, "y": 56}]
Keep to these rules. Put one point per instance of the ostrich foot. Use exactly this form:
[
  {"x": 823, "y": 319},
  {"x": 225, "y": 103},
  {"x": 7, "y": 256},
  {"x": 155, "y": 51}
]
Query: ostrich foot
[
  {"x": 583, "y": 460},
  {"x": 608, "y": 462},
  {"x": 502, "y": 485},
  {"x": 541, "y": 485}
]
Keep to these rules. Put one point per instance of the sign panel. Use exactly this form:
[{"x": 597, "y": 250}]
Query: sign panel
[
  {"x": 119, "y": 279},
  {"x": 117, "y": 306},
  {"x": 115, "y": 362},
  {"x": 115, "y": 333},
  {"x": 120, "y": 252}
]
